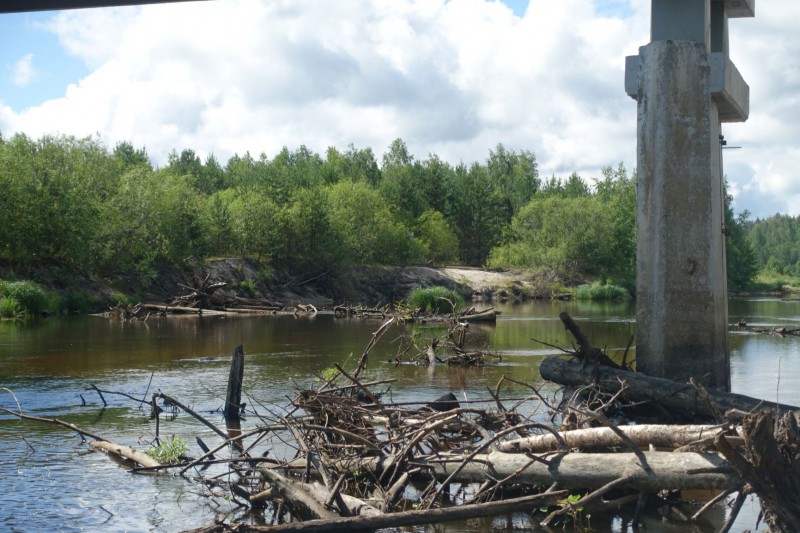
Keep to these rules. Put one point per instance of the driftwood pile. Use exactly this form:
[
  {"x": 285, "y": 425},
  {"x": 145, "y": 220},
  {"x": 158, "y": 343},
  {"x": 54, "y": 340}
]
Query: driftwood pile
[{"x": 343, "y": 456}]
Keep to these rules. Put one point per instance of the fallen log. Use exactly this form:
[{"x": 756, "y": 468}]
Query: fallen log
[
  {"x": 306, "y": 505},
  {"x": 603, "y": 438},
  {"x": 400, "y": 519},
  {"x": 679, "y": 471},
  {"x": 641, "y": 387},
  {"x": 489, "y": 315},
  {"x": 166, "y": 309},
  {"x": 125, "y": 452}
]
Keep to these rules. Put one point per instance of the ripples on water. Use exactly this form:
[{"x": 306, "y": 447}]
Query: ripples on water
[{"x": 51, "y": 481}]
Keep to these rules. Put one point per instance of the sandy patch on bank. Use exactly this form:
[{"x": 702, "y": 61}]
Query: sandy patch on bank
[{"x": 485, "y": 280}]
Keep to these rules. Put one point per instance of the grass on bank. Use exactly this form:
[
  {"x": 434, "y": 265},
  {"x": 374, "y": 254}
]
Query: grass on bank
[
  {"x": 601, "y": 291},
  {"x": 436, "y": 299},
  {"x": 767, "y": 281},
  {"x": 22, "y": 300}
]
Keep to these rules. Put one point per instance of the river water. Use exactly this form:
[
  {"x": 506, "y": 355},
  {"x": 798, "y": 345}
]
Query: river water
[{"x": 51, "y": 481}]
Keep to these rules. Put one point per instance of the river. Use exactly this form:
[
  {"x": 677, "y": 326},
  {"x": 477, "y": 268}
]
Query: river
[{"x": 51, "y": 481}]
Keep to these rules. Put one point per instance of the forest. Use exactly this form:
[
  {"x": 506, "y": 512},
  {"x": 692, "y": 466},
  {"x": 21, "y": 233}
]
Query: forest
[{"x": 74, "y": 207}]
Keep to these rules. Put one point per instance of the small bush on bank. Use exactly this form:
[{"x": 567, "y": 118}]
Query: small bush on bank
[
  {"x": 30, "y": 297},
  {"x": 10, "y": 308},
  {"x": 601, "y": 291},
  {"x": 75, "y": 302},
  {"x": 435, "y": 299}
]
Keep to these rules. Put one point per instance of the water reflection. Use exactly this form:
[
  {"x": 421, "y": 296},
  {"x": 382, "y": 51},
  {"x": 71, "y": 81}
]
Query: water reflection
[{"x": 50, "y": 364}]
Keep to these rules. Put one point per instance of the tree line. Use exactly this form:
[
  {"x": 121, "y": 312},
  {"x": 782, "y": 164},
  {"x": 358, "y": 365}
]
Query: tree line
[{"x": 75, "y": 206}]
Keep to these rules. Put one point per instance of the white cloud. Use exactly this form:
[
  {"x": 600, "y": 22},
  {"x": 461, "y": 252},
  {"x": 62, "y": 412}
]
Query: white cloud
[
  {"x": 450, "y": 77},
  {"x": 23, "y": 73}
]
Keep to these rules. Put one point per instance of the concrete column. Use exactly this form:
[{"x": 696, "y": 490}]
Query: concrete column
[{"x": 682, "y": 310}]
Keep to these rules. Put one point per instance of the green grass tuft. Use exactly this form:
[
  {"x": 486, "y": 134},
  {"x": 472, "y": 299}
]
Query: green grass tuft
[
  {"x": 435, "y": 299},
  {"x": 30, "y": 297},
  {"x": 171, "y": 451},
  {"x": 601, "y": 291}
]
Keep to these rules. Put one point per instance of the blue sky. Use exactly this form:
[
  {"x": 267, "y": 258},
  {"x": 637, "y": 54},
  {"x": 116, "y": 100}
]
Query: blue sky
[
  {"x": 452, "y": 77},
  {"x": 52, "y": 69}
]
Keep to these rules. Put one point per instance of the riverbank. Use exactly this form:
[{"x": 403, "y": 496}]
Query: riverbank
[
  {"x": 321, "y": 285},
  {"x": 369, "y": 285}
]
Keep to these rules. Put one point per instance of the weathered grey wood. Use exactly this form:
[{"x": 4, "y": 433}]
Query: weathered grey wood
[
  {"x": 681, "y": 471},
  {"x": 603, "y": 438},
  {"x": 584, "y": 470},
  {"x": 233, "y": 398},
  {"x": 640, "y": 387},
  {"x": 303, "y": 501}
]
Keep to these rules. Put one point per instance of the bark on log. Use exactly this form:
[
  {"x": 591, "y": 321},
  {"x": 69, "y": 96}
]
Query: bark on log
[
  {"x": 603, "y": 438},
  {"x": 641, "y": 387},
  {"x": 400, "y": 519},
  {"x": 125, "y": 452}
]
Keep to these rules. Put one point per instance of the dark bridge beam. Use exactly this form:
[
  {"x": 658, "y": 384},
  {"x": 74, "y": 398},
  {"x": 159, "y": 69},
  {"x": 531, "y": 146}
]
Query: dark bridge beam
[{"x": 18, "y": 6}]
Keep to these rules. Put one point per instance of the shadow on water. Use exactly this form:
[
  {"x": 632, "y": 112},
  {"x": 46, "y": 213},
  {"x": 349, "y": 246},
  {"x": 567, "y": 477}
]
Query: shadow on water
[{"x": 53, "y": 482}]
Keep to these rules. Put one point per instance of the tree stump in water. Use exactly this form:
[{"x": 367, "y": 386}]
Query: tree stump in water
[{"x": 233, "y": 399}]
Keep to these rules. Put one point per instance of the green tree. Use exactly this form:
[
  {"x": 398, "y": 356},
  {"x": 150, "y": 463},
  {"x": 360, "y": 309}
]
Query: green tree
[
  {"x": 438, "y": 238},
  {"x": 742, "y": 265},
  {"x": 364, "y": 228}
]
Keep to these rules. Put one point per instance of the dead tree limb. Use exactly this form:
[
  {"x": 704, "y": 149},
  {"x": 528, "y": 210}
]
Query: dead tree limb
[
  {"x": 400, "y": 519},
  {"x": 641, "y": 387}
]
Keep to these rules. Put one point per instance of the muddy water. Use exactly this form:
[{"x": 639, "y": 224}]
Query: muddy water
[{"x": 51, "y": 481}]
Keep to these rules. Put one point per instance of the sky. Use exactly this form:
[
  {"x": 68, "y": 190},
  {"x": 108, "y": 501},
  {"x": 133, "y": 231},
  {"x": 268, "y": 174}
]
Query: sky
[{"x": 450, "y": 77}]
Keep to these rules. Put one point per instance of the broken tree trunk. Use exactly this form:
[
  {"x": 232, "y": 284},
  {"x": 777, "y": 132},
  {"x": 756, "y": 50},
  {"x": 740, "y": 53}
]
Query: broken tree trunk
[
  {"x": 233, "y": 398},
  {"x": 641, "y": 387},
  {"x": 770, "y": 466}
]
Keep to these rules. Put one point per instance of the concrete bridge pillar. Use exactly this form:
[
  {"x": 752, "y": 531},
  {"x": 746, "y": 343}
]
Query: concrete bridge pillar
[{"x": 685, "y": 86}]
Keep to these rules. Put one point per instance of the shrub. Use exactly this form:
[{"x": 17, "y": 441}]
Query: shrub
[
  {"x": 171, "y": 451},
  {"x": 75, "y": 302},
  {"x": 10, "y": 308},
  {"x": 601, "y": 291},
  {"x": 435, "y": 299},
  {"x": 30, "y": 297}
]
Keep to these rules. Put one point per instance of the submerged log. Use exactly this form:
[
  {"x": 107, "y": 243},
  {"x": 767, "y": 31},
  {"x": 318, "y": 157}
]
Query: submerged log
[{"x": 641, "y": 387}]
